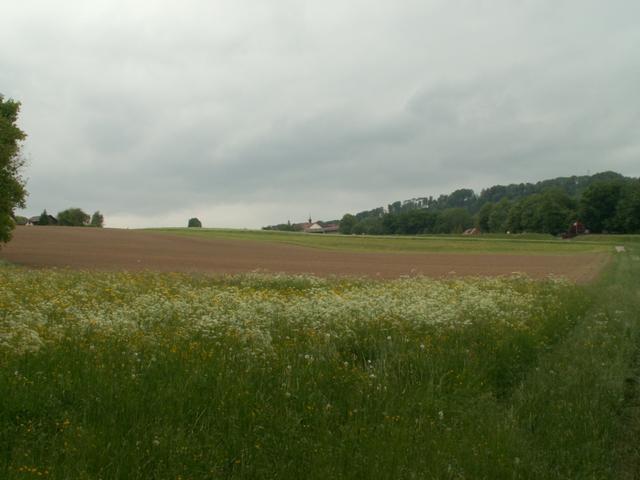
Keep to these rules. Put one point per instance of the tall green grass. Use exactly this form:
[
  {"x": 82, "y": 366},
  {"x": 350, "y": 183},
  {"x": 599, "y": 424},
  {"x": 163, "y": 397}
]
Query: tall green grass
[{"x": 171, "y": 376}]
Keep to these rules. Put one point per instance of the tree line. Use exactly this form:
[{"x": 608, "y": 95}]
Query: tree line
[
  {"x": 604, "y": 203},
  {"x": 71, "y": 217}
]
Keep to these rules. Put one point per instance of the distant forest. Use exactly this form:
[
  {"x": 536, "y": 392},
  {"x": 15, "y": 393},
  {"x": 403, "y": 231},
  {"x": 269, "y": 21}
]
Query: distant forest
[{"x": 606, "y": 202}]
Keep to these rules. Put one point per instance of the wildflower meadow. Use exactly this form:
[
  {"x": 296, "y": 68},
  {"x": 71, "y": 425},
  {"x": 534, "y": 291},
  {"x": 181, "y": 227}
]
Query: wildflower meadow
[{"x": 122, "y": 375}]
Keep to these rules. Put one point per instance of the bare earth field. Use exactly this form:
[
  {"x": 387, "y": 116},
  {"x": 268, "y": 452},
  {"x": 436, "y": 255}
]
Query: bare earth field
[{"x": 115, "y": 249}]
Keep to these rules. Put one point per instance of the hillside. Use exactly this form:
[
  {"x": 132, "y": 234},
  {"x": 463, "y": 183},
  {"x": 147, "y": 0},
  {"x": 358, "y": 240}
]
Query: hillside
[{"x": 603, "y": 202}]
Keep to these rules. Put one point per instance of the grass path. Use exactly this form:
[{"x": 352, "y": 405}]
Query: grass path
[{"x": 579, "y": 407}]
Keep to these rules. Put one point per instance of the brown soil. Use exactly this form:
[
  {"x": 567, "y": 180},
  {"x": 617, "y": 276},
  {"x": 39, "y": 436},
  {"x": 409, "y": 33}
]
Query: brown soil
[{"x": 114, "y": 249}]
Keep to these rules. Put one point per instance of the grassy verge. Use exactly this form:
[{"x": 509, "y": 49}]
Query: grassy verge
[
  {"x": 172, "y": 376},
  {"x": 507, "y": 244},
  {"x": 578, "y": 408}
]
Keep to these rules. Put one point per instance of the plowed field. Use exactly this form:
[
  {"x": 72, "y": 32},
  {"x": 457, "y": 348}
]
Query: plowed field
[{"x": 116, "y": 249}]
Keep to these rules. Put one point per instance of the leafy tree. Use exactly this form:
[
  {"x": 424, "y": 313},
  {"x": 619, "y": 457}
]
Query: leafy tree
[
  {"x": 514, "y": 218},
  {"x": 73, "y": 217},
  {"x": 598, "y": 205},
  {"x": 347, "y": 223},
  {"x": 97, "y": 220},
  {"x": 390, "y": 224},
  {"x": 556, "y": 211},
  {"x": 21, "y": 220},
  {"x": 194, "y": 223},
  {"x": 530, "y": 220},
  {"x": 498, "y": 218},
  {"x": 12, "y": 189},
  {"x": 462, "y": 198},
  {"x": 395, "y": 207},
  {"x": 44, "y": 218},
  {"x": 482, "y": 218},
  {"x": 283, "y": 227},
  {"x": 628, "y": 209},
  {"x": 369, "y": 226},
  {"x": 548, "y": 212},
  {"x": 416, "y": 221},
  {"x": 453, "y": 220}
]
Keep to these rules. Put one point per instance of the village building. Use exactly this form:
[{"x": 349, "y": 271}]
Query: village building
[
  {"x": 331, "y": 228},
  {"x": 36, "y": 220},
  {"x": 317, "y": 227},
  {"x": 577, "y": 228},
  {"x": 314, "y": 228}
]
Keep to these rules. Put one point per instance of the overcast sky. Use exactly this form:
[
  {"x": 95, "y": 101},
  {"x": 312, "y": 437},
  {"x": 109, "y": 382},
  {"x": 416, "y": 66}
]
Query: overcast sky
[{"x": 250, "y": 112}]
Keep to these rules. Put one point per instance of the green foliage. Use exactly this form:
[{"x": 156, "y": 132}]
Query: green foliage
[
  {"x": 12, "y": 186},
  {"x": 453, "y": 220},
  {"x": 557, "y": 210},
  {"x": 598, "y": 206},
  {"x": 44, "y": 218},
  {"x": 73, "y": 217},
  {"x": 347, "y": 223},
  {"x": 627, "y": 217},
  {"x": 283, "y": 227},
  {"x": 549, "y": 212},
  {"x": 497, "y": 220},
  {"x": 549, "y": 207},
  {"x": 21, "y": 220},
  {"x": 194, "y": 223},
  {"x": 369, "y": 226},
  {"x": 97, "y": 220},
  {"x": 418, "y": 221},
  {"x": 482, "y": 217},
  {"x": 462, "y": 198}
]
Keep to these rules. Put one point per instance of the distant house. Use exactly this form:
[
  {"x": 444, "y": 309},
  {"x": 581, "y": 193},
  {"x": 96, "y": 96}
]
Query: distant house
[
  {"x": 317, "y": 227},
  {"x": 331, "y": 228},
  {"x": 314, "y": 228},
  {"x": 575, "y": 229},
  {"x": 36, "y": 220},
  {"x": 301, "y": 227}
]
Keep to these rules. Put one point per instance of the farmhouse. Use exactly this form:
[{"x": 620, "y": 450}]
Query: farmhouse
[
  {"x": 577, "y": 228},
  {"x": 319, "y": 228},
  {"x": 314, "y": 228},
  {"x": 36, "y": 220},
  {"x": 331, "y": 228}
]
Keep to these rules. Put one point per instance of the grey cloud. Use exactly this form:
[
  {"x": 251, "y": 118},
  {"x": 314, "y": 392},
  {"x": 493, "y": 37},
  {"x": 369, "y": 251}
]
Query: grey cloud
[{"x": 140, "y": 108}]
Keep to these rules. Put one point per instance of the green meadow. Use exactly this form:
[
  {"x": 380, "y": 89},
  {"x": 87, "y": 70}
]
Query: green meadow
[
  {"x": 168, "y": 376},
  {"x": 491, "y": 243}
]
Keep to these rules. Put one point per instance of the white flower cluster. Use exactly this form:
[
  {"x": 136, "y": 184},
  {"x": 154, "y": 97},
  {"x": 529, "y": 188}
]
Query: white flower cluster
[{"x": 46, "y": 307}]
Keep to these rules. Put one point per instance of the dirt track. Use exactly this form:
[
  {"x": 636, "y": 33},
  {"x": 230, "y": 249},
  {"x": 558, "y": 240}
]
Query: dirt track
[{"x": 113, "y": 249}]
